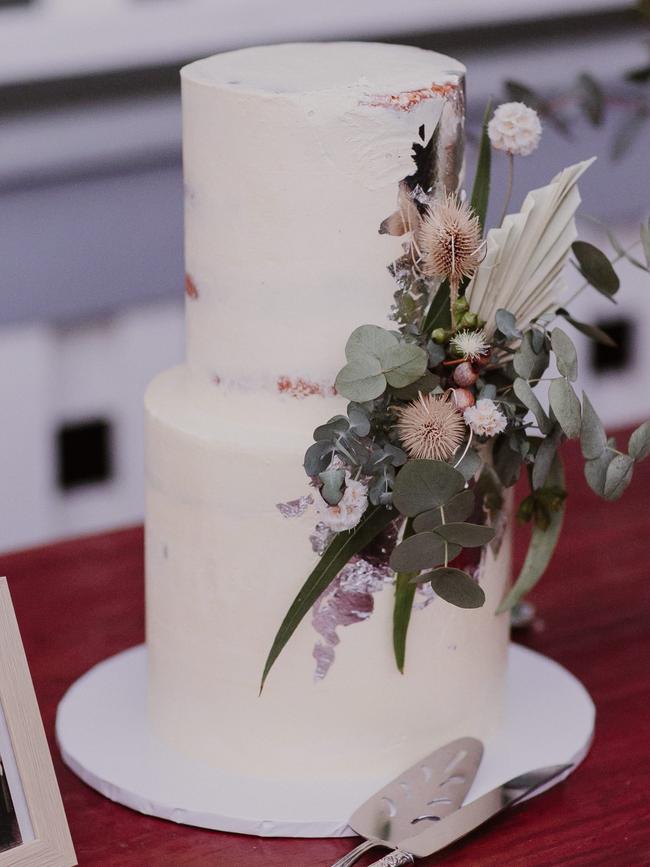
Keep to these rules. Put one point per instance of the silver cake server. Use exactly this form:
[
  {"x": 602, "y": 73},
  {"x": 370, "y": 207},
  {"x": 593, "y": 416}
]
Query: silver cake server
[
  {"x": 440, "y": 782},
  {"x": 439, "y": 832}
]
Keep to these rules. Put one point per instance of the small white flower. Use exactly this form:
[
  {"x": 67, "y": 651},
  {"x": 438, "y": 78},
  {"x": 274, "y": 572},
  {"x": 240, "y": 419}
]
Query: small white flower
[
  {"x": 348, "y": 511},
  {"x": 515, "y": 128},
  {"x": 485, "y": 418},
  {"x": 470, "y": 344}
]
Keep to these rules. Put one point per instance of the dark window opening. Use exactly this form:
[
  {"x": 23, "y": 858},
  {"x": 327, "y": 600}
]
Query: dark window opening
[
  {"x": 610, "y": 358},
  {"x": 84, "y": 453}
]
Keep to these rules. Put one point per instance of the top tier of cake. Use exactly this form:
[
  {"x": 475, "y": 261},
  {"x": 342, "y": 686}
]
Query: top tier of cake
[{"x": 292, "y": 158}]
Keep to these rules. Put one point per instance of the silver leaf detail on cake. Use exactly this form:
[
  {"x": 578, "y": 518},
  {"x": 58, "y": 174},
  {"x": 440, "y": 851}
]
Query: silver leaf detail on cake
[
  {"x": 295, "y": 508},
  {"x": 348, "y": 600}
]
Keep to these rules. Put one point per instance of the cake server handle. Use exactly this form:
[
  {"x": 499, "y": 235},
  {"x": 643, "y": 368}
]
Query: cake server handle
[
  {"x": 395, "y": 859},
  {"x": 356, "y": 853}
]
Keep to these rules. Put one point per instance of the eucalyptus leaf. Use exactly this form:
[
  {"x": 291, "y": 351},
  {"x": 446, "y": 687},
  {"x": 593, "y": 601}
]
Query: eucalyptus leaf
[
  {"x": 596, "y": 470},
  {"x": 639, "y": 444},
  {"x": 332, "y": 490},
  {"x": 342, "y": 547},
  {"x": 591, "y": 331},
  {"x": 327, "y": 432},
  {"x": 421, "y": 551},
  {"x": 541, "y": 546},
  {"x": 422, "y": 485},
  {"x": 424, "y": 385},
  {"x": 529, "y": 399},
  {"x": 565, "y": 354},
  {"x": 544, "y": 458},
  {"x": 593, "y": 438},
  {"x": 436, "y": 353},
  {"x": 566, "y": 406},
  {"x": 403, "y": 364},
  {"x": 481, "y": 188},
  {"x": 318, "y": 457},
  {"x": 507, "y": 463},
  {"x": 361, "y": 380},
  {"x": 369, "y": 340},
  {"x": 537, "y": 339},
  {"x": 456, "y": 587},
  {"x": 528, "y": 363},
  {"x": 618, "y": 476},
  {"x": 359, "y": 420},
  {"x": 596, "y": 268},
  {"x": 457, "y": 509},
  {"x": 469, "y": 465},
  {"x": 488, "y": 392},
  {"x": 507, "y": 324},
  {"x": 466, "y": 535}
]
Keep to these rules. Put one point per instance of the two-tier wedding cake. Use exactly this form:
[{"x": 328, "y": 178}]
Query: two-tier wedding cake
[{"x": 293, "y": 158}]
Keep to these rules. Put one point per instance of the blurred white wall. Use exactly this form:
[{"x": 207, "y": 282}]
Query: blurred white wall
[{"x": 91, "y": 211}]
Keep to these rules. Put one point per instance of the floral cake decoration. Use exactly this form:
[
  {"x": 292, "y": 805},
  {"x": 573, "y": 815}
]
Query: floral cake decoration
[{"x": 444, "y": 414}]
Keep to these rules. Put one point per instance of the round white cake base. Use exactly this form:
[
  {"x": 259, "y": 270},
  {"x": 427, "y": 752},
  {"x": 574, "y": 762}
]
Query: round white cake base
[{"x": 104, "y": 735}]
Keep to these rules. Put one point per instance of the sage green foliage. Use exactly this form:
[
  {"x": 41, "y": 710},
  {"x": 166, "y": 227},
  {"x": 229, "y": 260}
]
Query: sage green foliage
[
  {"x": 529, "y": 362},
  {"x": 332, "y": 489},
  {"x": 593, "y": 438},
  {"x": 639, "y": 442},
  {"x": 456, "y": 587},
  {"x": 339, "y": 551},
  {"x": 422, "y": 551},
  {"x": 526, "y": 395},
  {"x": 423, "y": 485},
  {"x": 541, "y": 547},
  {"x": 607, "y": 470},
  {"x": 423, "y": 491},
  {"x": 596, "y": 268},
  {"x": 565, "y": 406},
  {"x": 507, "y": 324},
  {"x": 458, "y": 508},
  {"x": 378, "y": 358},
  {"x": 565, "y": 354}
]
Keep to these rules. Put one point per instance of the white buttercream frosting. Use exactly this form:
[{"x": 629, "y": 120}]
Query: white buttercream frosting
[{"x": 292, "y": 156}]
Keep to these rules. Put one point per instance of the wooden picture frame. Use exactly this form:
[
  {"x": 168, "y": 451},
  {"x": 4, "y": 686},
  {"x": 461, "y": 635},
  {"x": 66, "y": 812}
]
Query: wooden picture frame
[{"x": 34, "y": 825}]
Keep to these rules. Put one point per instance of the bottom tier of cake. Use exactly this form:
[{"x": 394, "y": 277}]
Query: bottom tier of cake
[{"x": 224, "y": 564}]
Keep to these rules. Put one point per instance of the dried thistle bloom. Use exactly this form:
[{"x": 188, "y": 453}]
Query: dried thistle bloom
[
  {"x": 470, "y": 344},
  {"x": 449, "y": 239},
  {"x": 430, "y": 427}
]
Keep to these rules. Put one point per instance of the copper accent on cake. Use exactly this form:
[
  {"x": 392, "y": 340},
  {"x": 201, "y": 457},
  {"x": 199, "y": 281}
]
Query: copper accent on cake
[
  {"x": 304, "y": 387},
  {"x": 405, "y": 100},
  {"x": 190, "y": 288}
]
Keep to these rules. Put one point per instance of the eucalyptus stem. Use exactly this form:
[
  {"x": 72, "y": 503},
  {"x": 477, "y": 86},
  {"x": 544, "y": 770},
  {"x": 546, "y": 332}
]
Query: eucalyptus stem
[{"x": 511, "y": 175}]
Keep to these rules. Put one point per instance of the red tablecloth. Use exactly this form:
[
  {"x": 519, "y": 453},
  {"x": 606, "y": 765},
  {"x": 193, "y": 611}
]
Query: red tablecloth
[{"x": 80, "y": 601}]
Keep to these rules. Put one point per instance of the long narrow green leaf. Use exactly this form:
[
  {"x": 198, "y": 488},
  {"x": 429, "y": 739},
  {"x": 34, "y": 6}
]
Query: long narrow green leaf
[
  {"x": 404, "y": 594},
  {"x": 344, "y": 546},
  {"x": 541, "y": 547},
  {"x": 439, "y": 312},
  {"x": 481, "y": 188},
  {"x": 403, "y": 606}
]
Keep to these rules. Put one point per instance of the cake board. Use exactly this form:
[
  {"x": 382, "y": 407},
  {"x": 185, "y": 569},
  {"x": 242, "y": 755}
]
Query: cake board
[{"x": 104, "y": 735}]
